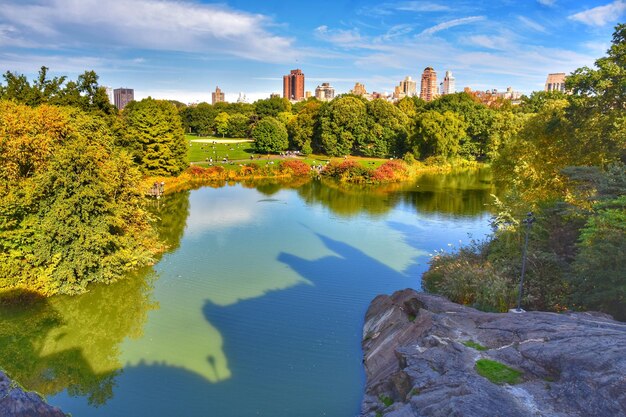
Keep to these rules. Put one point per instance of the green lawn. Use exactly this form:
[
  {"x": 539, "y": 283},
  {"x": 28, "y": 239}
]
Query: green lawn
[
  {"x": 202, "y": 152},
  {"x": 366, "y": 162}
]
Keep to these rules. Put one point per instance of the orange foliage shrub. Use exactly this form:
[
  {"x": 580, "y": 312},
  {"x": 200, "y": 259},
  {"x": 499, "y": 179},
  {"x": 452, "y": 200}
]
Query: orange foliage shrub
[{"x": 296, "y": 167}]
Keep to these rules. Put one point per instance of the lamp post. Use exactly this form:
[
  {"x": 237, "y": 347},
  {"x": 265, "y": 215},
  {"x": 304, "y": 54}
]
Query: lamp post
[{"x": 528, "y": 221}]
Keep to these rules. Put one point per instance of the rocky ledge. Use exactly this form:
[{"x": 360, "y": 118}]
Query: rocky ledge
[
  {"x": 421, "y": 350},
  {"x": 15, "y": 402}
]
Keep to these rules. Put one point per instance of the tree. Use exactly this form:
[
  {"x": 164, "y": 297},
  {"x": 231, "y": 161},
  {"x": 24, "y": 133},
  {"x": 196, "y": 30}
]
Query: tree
[
  {"x": 85, "y": 93},
  {"x": 239, "y": 126},
  {"x": 537, "y": 100},
  {"x": 342, "y": 125},
  {"x": 438, "y": 134},
  {"x": 221, "y": 123},
  {"x": 598, "y": 102},
  {"x": 387, "y": 130},
  {"x": 599, "y": 279},
  {"x": 203, "y": 119},
  {"x": 270, "y": 135},
  {"x": 155, "y": 137},
  {"x": 271, "y": 106},
  {"x": 302, "y": 127},
  {"x": 70, "y": 206}
]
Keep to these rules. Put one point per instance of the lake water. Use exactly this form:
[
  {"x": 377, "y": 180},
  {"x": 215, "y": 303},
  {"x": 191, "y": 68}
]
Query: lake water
[{"x": 256, "y": 310}]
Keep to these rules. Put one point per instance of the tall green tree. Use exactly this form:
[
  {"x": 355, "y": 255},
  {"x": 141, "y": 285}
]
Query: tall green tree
[
  {"x": 270, "y": 136},
  {"x": 154, "y": 135},
  {"x": 438, "y": 134},
  {"x": 343, "y": 124},
  {"x": 239, "y": 125},
  {"x": 221, "y": 123},
  {"x": 302, "y": 127},
  {"x": 598, "y": 102},
  {"x": 387, "y": 130}
]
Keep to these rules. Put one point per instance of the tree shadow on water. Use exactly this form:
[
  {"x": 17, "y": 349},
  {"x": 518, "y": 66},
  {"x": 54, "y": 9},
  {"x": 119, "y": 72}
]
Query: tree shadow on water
[{"x": 297, "y": 351}]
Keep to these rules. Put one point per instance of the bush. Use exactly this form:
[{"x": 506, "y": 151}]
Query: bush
[
  {"x": 468, "y": 278},
  {"x": 409, "y": 158},
  {"x": 393, "y": 170},
  {"x": 295, "y": 167}
]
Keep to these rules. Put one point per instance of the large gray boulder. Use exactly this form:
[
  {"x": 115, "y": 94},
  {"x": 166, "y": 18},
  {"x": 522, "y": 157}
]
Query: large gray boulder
[
  {"x": 417, "y": 364},
  {"x": 15, "y": 402}
]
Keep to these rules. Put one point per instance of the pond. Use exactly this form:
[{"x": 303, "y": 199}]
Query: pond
[{"x": 256, "y": 310}]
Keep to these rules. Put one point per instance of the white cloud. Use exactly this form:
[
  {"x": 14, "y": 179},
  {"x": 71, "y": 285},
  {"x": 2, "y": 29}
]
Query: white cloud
[
  {"x": 452, "y": 23},
  {"x": 491, "y": 42},
  {"x": 421, "y": 6},
  {"x": 601, "y": 15},
  {"x": 395, "y": 32},
  {"x": 146, "y": 24},
  {"x": 344, "y": 37},
  {"x": 532, "y": 24},
  {"x": 386, "y": 9},
  {"x": 548, "y": 3}
]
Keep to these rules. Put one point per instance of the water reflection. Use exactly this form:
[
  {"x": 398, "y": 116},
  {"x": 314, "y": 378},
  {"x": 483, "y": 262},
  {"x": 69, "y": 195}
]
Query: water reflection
[
  {"x": 74, "y": 342},
  {"x": 171, "y": 213},
  {"x": 461, "y": 193}
]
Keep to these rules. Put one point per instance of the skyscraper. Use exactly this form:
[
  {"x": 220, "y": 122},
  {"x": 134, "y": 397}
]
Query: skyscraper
[
  {"x": 123, "y": 96},
  {"x": 293, "y": 85},
  {"x": 555, "y": 82},
  {"x": 217, "y": 96},
  {"x": 408, "y": 87},
  {"x": 325, "y": 92},
  {"x": 449, "y": 84},
  {"x": 428, "y": 90}
]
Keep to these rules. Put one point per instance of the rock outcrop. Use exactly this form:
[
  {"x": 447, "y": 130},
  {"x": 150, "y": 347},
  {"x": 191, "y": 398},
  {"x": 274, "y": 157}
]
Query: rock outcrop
[
  {"x": 15, "y": 402},
  {"x": 420, "y": 353}
]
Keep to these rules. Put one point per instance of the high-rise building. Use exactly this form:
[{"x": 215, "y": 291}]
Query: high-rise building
[
  {"x": 242, "y": 98},
  {"x": 449, "y": 84},
  {"x": 217, "y": 96},
  {"x": 359, "y": 89},
  {"x": 324, "y": 92},
  {"x": 407, "y": 88},
  {"x": 109, "y": 92},
  {"x": 555, "y": 82},
  {"x": 123, "y": 96},
  {"x": 428, "y": 91},
  {"x": 293, "y": 85}
]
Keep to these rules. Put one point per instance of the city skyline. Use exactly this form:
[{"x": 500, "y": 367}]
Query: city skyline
[{"x": 246, "y": 47}]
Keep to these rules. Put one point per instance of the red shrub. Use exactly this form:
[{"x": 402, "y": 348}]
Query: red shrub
[
  {"x": 297, "y": 168},
  {"x": 196, "y": 171}
]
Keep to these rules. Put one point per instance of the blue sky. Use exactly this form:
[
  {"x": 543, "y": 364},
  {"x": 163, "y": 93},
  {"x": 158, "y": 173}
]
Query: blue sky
[{"x": 182, "y": 49}]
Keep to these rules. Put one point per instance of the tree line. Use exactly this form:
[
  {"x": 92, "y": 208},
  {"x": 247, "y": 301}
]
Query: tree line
[
  {"x": 455, "y": 125},
  {"x": 72, "y": 211},
  {"x": 566, "y": 165}
]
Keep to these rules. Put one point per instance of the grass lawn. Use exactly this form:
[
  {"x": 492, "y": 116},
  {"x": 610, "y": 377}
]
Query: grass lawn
[
  {"x": 201, "y": 149},
  {"x": 366, "y": 162},
  {"x": 202, "y": 152}
]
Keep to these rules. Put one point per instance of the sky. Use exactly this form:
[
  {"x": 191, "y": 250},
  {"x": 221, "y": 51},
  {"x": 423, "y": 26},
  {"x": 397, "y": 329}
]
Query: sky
[{"x": 183, "y": 49}]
